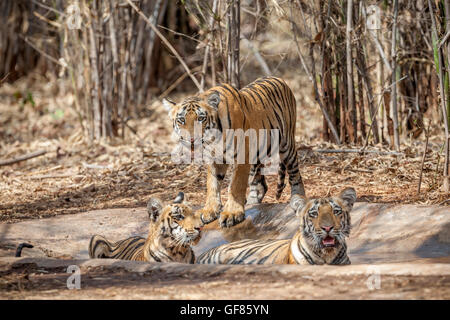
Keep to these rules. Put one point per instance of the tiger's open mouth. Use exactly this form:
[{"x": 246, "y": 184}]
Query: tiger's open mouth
[{"x": 328, "y": 241}]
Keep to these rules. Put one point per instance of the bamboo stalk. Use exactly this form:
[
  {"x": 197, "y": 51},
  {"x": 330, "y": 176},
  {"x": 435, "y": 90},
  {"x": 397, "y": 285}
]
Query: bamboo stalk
[
  {"x": 209, "y": 43},
  {"x": 318, "y": 98},
  {"x": 446, "y": 183},
  {"x": 369, "y": 94},
  {"x": 440, "y": 71},
  {"x": 264, "y": 67},
  {"x": 167, "y": 43},
  {"x": 350, "y": 86},
  {"x": 423, "y": 157},
  {"x": 96, "y": 79},
  {"x": 233, "y": 43},
  {"x": 297, "y": 46},
  {"x": 394, "y": 74},
  {"x": 157, "y": 11}
]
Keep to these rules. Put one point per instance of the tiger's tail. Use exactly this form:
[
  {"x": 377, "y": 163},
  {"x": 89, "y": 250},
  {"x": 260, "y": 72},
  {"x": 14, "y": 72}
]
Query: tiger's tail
[
  {"x": 281, "y": 177},
  {"x": 99, "y": 247},
  {"x": 21, "y": 246}
]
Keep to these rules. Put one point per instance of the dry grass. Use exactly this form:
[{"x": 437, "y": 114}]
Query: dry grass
[{"x": 76, "y": 175}]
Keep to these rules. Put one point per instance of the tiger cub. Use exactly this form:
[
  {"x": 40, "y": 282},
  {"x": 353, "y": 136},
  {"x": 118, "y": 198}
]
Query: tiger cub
[
  {"x": 324, "y": 224},
  {"x": 267, "y": 103},
  {"x": 173, "y": 229}
]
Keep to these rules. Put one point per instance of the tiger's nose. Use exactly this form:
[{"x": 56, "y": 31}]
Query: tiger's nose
[{"x": 327, "y": 228}]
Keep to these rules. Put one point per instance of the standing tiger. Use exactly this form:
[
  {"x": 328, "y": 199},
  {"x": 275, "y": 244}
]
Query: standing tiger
[
  {"x": 267, "y": 103},
  {"x": 173, "y": 229},
  {"x": 324, "y": 224}
]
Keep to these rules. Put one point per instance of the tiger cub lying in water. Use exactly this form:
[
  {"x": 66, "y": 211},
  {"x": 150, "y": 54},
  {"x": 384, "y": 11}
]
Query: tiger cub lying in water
[
  {"x": 324, "y": 224},
  {"x": 173, "y": 229}
]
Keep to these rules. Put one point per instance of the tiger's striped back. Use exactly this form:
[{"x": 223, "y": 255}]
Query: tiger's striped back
[
  {"x": 267, "y": 103},
  {"x": 248, "y": 252}
]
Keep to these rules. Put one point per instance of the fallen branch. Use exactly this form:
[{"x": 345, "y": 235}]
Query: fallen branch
[
  {"x": 337, "y": 168},
  {"x": 167, "y": 43},
  {"x": 52, "y": 176},
  {"x": 359, "y": 151},
  {"x": 96, "y": 166},
  {"x": 22, "y": 158}
]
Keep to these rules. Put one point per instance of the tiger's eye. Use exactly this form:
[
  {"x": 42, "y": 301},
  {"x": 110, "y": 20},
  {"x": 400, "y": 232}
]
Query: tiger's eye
[
  {"x": 337, "y": 211},
  {"x": 313, "y": 214}
]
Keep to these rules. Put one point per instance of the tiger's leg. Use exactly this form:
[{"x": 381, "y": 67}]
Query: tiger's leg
[
  {"x": 295, "y": 179},
  {"x": 233, "y": 211},
  {"x": 258, "y": 185},
  {"x": 211, "y": 210}
]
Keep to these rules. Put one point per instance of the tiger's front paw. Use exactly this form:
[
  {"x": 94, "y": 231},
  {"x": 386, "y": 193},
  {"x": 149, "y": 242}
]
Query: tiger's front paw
[
  {"x": 208, "y": 214},
  {"x": 229, "y": 219}
]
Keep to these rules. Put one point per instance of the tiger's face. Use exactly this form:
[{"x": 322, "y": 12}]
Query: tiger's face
[
  {"x": 181, "y": 224},
  {"x": 325, "y": 222},
  {"x": 194, "y": 118},
  {"x": 176, "y": 221}
]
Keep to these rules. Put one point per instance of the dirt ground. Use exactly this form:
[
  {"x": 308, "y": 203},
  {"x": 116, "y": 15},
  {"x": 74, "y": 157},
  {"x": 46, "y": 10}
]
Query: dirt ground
[{"x": 29, "y": 281}]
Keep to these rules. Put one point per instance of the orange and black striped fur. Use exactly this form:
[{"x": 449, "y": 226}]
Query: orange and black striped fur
[
  {"x": 324, "y": 225},
  {"x": 172, "y": 230},
  {"x": 267, "y": 103}
]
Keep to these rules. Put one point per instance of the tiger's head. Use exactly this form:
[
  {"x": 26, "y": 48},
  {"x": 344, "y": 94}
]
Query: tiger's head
[
  {"x": 325, "y": 222},
  {"x": 175, "y": 221},
  {"x": 194, "y": 118}
]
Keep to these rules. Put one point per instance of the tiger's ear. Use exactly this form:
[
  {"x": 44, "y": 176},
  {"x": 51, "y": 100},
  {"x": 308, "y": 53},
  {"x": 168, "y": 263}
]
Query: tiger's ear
[
  {"x": 297, "y": 203},
  {"x": 348, "y": 196},
  {"x": 168, "y": 104},
  {"x": 179, "y": 198},
  {"x": 214, "y": 100},
  {"x": 154, "y": 208}
]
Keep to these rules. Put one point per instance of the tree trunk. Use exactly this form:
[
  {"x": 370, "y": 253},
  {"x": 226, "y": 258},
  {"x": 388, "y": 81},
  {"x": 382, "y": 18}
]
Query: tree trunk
[{"x": 234, "y": 17}]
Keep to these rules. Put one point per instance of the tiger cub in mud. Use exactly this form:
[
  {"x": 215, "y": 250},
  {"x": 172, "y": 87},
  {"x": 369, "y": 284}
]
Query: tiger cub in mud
[
  {"x": 173, "y": 229},
  {"x": 320, "y": 239}
]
